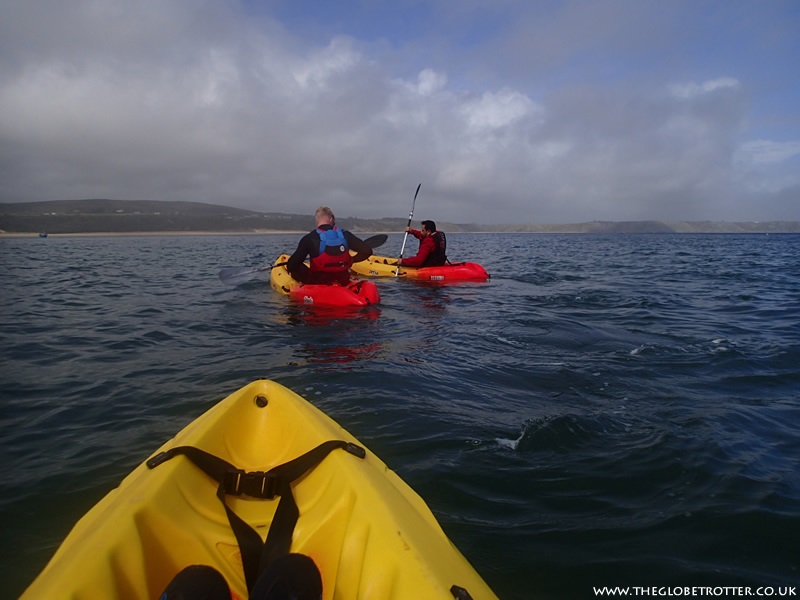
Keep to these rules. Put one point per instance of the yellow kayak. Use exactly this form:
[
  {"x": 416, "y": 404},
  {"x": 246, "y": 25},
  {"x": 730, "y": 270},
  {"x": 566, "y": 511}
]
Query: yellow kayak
[{"x": 368, "y": 533}]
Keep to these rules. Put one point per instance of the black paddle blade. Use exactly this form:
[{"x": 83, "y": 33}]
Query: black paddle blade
[{"x": 376, "y": 241}]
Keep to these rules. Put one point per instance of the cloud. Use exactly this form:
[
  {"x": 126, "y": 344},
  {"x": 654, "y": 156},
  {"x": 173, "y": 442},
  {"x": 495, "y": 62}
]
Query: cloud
[
  {"x": 687, "y": 91},
  {"x": 493, "y": 111},
  {"x": 430, "y": 82},
  {"x": 766, "y": 152},
  {"x": 214, "y": 102},
  {"x": 769, "y": 167}
]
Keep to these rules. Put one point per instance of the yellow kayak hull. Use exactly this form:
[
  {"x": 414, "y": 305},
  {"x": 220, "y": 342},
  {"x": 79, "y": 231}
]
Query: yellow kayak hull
[
  {"x": 378, "y": 266},
  {"x": 369, "y": 533}
]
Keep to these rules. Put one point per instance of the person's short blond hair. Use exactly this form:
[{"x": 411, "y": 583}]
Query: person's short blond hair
[{"x": 323, "y": 211}]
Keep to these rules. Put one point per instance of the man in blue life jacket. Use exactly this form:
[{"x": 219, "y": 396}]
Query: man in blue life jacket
[
  {"x": 432, "y": 247},
  {"x": 328, "y": 248}
]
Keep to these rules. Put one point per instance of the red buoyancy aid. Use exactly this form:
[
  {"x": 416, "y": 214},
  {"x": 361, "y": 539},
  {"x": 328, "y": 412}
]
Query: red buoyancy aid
[{"x": 333, "y": 255}]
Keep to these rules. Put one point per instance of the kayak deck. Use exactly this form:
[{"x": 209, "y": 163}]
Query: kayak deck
[
  {"x": 383, "y": 266},
  {"x": 370, "y": 535},
  {"x": 356, "y": 293}
]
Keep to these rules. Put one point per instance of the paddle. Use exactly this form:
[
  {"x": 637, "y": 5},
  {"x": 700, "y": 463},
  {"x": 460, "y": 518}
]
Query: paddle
[
  {"x": 405, "y": 237},
  {"x": 238, "y": 275}
]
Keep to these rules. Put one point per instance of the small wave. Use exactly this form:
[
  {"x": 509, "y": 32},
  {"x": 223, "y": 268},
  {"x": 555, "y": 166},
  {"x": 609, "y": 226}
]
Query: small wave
[
  {"x": 511, "y": 444},
  {"x": 550, "y": 432},
  {"x": 517, "y": 343},
  {"x": 715, "y": 346}
]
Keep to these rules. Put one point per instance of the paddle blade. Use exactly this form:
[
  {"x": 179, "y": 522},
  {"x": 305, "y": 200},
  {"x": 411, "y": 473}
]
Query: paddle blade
[
  {"x": 376, "y": 241},
  {"x": 238, "y": 275}
]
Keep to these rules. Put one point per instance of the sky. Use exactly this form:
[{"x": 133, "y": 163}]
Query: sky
[{"x": 506, "y": 111}]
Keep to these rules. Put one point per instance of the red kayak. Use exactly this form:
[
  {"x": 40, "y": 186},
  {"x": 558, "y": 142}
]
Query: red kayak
[
  {"x": 356, "y": 293},
  {"x": 382, "y": 266},
  {"x": 465, "y": 271}
]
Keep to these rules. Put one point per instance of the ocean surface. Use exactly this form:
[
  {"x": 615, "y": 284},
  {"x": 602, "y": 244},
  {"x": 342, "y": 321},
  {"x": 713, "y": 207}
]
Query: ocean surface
[{"x": 619, "y": 410}]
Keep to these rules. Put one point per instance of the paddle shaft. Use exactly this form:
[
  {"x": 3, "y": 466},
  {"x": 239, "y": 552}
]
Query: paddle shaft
[{"x": 405, "y": 237}]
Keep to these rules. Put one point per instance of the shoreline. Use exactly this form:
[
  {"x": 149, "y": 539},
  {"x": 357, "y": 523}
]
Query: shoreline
[
  {"x": 33, "y": 234},
  {"x": 361, "y": 234},
  {"x": 17, "y": 234}
]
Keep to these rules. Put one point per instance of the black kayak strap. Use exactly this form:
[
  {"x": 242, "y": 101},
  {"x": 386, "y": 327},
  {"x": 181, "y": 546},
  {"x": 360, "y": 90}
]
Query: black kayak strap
[{"x": 256, "y": 556}]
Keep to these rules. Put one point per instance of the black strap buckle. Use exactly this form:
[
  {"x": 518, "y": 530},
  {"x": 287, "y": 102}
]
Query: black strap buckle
[{"x": 256, "y": 484}]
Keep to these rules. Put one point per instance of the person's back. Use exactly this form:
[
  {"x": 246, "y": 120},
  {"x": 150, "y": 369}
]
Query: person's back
[
  {"x": 439, "y": 256},
  {"x": 328, "y": 249},
  {"x": 332, "y": 261}
]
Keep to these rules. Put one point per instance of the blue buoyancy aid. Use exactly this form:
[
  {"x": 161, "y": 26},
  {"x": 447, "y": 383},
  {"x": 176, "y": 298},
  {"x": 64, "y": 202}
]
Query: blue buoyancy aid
[
  {"x": 333, "y": 257},
  {"x": 332, "y": 237}
]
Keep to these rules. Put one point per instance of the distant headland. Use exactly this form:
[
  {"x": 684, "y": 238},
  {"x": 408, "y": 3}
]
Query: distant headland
[{"x": 150, "y": 216}]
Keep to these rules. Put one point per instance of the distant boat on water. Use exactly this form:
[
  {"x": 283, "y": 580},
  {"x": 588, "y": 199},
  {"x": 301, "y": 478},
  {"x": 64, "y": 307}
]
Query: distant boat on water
[{"x": 42, "y": 234}]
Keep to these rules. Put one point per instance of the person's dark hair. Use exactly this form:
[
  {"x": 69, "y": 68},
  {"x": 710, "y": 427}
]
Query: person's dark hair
[{"x": 429, "y": 225}]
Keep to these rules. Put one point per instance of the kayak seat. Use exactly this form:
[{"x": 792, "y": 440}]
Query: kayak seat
[{"x": 257, "y": 556}]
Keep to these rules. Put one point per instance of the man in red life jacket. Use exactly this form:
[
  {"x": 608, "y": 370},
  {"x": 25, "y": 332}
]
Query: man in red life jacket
[
  {"x": 329, "y": 250},
  {"x": 432, "y": 247}
]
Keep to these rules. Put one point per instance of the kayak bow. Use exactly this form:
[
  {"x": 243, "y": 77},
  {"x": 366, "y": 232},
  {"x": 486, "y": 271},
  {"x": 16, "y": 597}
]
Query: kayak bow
[{"x": 369, "y": 534}]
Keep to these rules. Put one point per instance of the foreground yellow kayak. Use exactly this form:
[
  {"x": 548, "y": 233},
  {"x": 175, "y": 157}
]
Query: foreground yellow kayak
[{"x": 369, "y": 534}]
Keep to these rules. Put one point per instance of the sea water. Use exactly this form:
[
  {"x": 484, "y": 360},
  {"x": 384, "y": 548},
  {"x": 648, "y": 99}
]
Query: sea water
[{"x": 618, "y": 410}]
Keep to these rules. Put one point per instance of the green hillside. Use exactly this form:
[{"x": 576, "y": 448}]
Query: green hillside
[{"x": 149, "y": 216}]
